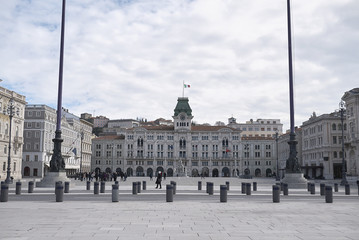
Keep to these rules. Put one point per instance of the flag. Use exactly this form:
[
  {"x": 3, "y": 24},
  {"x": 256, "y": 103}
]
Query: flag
[
  {"x": 74, "y": 151},
  {"x": 186, "y": 85},
  {"x": 227, "y": 150}
]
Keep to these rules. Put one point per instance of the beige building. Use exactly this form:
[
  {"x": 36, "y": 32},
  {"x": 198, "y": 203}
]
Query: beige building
[
  {"x": 258, "y": 128},
  {"x": 17, "y": 126}
]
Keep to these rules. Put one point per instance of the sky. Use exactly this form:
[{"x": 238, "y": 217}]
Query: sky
[{"x": 129, "y": 58}]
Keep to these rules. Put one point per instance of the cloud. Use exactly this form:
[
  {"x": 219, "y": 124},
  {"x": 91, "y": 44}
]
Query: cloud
[{"x": 125, "y": 59}]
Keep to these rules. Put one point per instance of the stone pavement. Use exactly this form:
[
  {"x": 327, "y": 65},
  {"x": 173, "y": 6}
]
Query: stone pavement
[{"x": 192, "y": 215}]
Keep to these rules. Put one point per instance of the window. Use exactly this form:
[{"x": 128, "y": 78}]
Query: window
[
  {"x": 36, "y": 158},
  {"x": 334, "y": 140},
  {"x": 334, "y": 127},
  {"x": 27, "y": 158},
  {"x": 194, "y": 138}
]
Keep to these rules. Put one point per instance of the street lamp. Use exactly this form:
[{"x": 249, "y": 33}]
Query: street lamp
[
  {"x": 277, "y": 178},
  {"x": 11, "y": 112},
  {"x": 344, "y": 174}
]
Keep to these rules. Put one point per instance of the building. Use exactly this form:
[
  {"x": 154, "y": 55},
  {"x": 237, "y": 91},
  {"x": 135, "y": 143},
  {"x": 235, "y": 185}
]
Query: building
[
  {"x": 39, "y": 131},
  {"x": 351, "y": 99},
  {"x": 17, "y": 126},
  {"x": 258, "y": 128},
  {"x": 179, "y": 149}
]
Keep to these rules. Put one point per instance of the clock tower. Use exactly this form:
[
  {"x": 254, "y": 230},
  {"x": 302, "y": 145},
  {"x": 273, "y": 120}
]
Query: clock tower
[{"x": 182, "y": 115}]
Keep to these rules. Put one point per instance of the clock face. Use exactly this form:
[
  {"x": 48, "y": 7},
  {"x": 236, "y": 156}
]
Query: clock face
[{"x": 182, "y": 117}]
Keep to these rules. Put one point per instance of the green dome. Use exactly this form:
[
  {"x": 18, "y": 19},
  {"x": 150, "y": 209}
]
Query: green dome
[{"x": 183, "y": 106}]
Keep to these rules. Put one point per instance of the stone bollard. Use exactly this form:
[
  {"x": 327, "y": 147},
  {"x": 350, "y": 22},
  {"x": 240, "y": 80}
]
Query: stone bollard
[
  {"x": 210, "y": 188},
  {"x": 144, "y": 185},
  {"x": 102, "y": 187},
  {"x": 169, "y": 193},
  {"x": 248, "y": 188},
  {"x": 347, "y": 189},
  {"x": 243, "y": 187},
  {"x": 114, "y": 192},
  {"x": 31, "y": 187},
  {"x": 96, "y": 187},
  {"x": 227, "y": 184},
  {"x": 308, "y": 186},
  {"x": 88, "y": 185},
  {"x": 67, "y": 187},
  {"x": 4, "y": 192},
  {"x": 199, "y": 185},
  {"x": 328, "y": 194},
  {"x": 336, "y": 189},
  {"x": 138, "y": 187},
  {"x": 18, "y": 188},
  {"x": 312, "y": 188},
  {"x": 174, "y": 187},
  {"x": 254, "y": 186},
  {"x": 134, "y": 188},
  {"x": 223, "y": 193},
  {"x": 285, "y": 189},
  {"x": 322, "y": 189},
  {"x": 276, "y": 193},
  {"x": 59, "y": 192}
]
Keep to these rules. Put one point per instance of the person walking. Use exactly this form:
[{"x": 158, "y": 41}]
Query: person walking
[{"x": 159, "y": 180}]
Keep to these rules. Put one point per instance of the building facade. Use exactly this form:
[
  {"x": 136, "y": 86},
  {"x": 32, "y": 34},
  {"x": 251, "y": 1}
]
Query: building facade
[
  {"x": 258, "y": 128},
  {"x": 17, "y": 126},
  {"x": 39, "y": 131}
]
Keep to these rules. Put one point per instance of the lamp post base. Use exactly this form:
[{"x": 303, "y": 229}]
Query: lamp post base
[
  {"x": 51, "y": 178},
  {"x": 295, "y": 180}
]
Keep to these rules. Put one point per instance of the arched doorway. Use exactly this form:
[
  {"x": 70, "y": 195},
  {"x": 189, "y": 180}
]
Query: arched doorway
[
  {"x": 205, "y": 172},
  {"x": 257, "y": 172},
  {"x": 159, "y": 169},
  {"x": 129, "y": 172},
  {"x": 119, "y": 170},
  {"x": 225, "y": 172},
  {"x": 215, "y": 172},
  {"x": 247, "y": 171},
  {"x": 108, "y": 170},
  {"x": 170, "y": 172},
  {"x": 268, "y": 172},
  {"x": 27, "y": 172},
  {"x": 149, "y": 172},
  {"x": 139, "y": 171},
  {"x": 97, "y": 171},
  {"x": 195, "y": 173}
]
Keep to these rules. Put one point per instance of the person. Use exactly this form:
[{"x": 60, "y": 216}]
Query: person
[
  {"x": 164, "y": 176},
  {"x": 158, "y": 180},
  {"x": 150, "y": 176}
]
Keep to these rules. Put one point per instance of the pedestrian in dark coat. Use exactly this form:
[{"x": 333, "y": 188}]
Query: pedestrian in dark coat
[{"x": 159, "y": 180}]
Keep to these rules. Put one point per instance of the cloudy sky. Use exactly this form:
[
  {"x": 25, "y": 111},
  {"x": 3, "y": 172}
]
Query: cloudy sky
[{"x": 129, "y": 58}]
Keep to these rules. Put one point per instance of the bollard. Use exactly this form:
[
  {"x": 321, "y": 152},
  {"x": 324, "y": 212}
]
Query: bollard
[
  {"x": 328, "y": 194},
  {"x": 336, "y": 189},
  {"x": 227, "y": 184},
  {"x": 67, "y": 187},
  {"x": 59, "y": 190},
  {"x": 308, "y": 186},
  {"x": 96, "y": 186},
  {"x": 254, "y": 186},
  {"x": 144, "y": 185},
  {"x": 207, "y": 183},
  {"x": 285, "y": 189},
  {"x": 199, "y": 185},
  {"x": 4, "y": 193},
  {"x": 248, "y": 188},
  {"x": 134, "y": 188},
  {"x": 243, "y": 187},
  {"x": 102, "y": 187},
  {"x": 138, "y": 187},
  {"x": 312, "y": 188},
  {"x": 115, "y": 193},
  {"x": 322, "y": 189},
  {"x": 18, "y": 188},
  {"x": 169, "y": 193},
  {"x": 223, "y": 193},
  {"x": 347, "y": 189},
  {"x": 276, "y": 193},
  {"x": 88, "y": 185},
  {"x": 210, "y": 188},
  {"x": 31, "y": 187},
  {"x": 174, "y": 187}
]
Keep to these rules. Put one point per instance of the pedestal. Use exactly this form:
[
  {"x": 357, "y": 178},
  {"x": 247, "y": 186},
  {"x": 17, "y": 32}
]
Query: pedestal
[
  {"x": 51, "y": 178},
  {"x": 295, "y": 181}
]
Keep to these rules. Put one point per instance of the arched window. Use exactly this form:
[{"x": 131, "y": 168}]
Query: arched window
[
  {"x": 335, "y": 154},
  {"x": 334, "y": 127}
]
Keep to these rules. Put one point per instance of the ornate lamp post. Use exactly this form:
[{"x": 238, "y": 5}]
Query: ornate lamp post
[
  {"x": 344, "y": 171},
  {"x": 11, "y": 112}
]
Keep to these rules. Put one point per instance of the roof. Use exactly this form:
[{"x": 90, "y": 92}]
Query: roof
[
  {"x": 256, "y": 138},
  {"x": 183, "y": 106},
  {"x": 110, "y": 137}
]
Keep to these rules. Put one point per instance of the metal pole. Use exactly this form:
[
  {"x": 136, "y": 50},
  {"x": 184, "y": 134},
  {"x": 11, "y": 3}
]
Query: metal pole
[
  {"x": 344, "y": 174},
  {"x": 276, "y": 139},
  {"x": 57, "y": 162},
  {"x": 8, "y": 180},
  {"x": 82, "y": 137}
]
